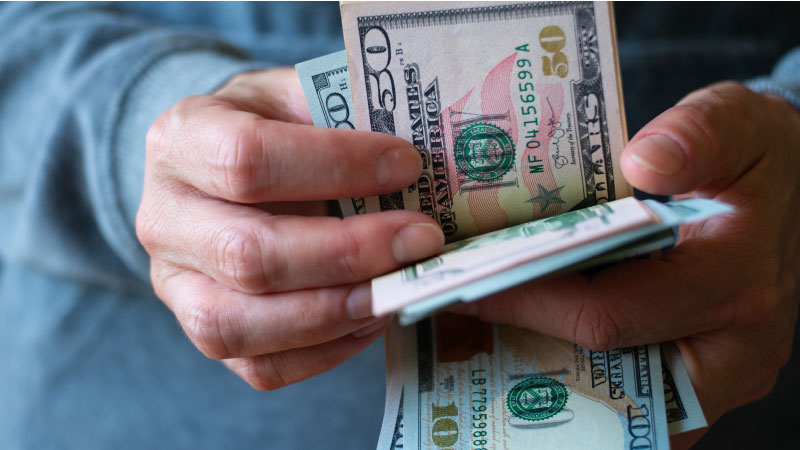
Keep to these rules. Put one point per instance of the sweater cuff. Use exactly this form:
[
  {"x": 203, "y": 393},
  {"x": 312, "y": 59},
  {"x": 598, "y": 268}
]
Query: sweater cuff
[
  {"x": 784, "y": 81},
  {"x": 166, "y": 81},
  {"x": 766, "y": 85}
]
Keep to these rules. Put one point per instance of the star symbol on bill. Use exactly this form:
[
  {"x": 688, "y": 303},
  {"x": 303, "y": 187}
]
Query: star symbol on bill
[{"x": 547, "y": 197}]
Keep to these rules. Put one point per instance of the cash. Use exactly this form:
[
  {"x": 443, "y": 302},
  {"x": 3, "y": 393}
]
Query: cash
[
  {"x": 472, "y": 385},
  {"x": 515, "y": 108},
  {"x": 680, "y": 404},
  {"x": 326, "y": 86},
  {"x": 516, "y": 112},
  {"x": 391, "y": 435},
  {"x": 683, "y": 409}
]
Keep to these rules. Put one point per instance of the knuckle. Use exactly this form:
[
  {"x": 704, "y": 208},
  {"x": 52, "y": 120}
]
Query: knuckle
[
  {"x": 206, "y": 325},
  {"x": 596, "y": 328},
  {"x": 735, "y": 99},
  {"x": 156, "y": 134},
  {"x": 147, "y": 230},
  {"x": 264, "y": 373},
  {"x": 156, "y": 143},
  {"x": 731, "y": 90},
  {"x": 235, "y": 160},
  {"x": 351, "y": 260},
  {"x": 316, "y": 314},
  {"x": 702, "y": 108},
  {"x": 186, "y": 105},
  {"x": 238, "y": 257},
  {"x": 159, "y": 276},
  {"x": 696, "y": 125}
]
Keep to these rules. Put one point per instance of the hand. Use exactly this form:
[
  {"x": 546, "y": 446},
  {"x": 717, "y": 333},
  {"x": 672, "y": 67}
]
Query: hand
[
  {"x": 728, "y": 291},
  {"x": 235, "y": 184}
]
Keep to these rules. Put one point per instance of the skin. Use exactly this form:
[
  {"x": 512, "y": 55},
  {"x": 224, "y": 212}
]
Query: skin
[
  {"x": 728, "y": 292},
  {"x": 235, "y": 190},
  {"x": 232, "y": 215}
]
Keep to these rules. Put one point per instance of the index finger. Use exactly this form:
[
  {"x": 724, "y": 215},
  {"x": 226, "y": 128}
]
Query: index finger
[{"x": 240, "y": 156}]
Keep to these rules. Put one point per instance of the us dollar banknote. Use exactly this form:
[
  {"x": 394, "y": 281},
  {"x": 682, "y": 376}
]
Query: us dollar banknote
[
  {"x": 475, "y": 386},
  {"x": 682, "y": 409},
  {"x": 514, "y": 108},
  {"x": 391, "y": 435},
  {"x": 326, "y": 86}
]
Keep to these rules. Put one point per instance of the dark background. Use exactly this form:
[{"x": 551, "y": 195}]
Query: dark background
[{"x": 668, "y": 50}]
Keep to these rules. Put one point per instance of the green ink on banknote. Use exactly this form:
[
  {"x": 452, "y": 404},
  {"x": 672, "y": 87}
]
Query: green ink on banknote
[
  {"x": 547, "y": 197},
  {"x": 537, "y": 398},
  {"x": 484, "y": 152}
]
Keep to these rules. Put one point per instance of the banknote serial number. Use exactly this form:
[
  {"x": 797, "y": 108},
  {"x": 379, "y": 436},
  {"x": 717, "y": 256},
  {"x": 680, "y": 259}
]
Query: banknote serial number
[
  {"x": 528, "y": 110},
  {"x": 479, "y": 416}
]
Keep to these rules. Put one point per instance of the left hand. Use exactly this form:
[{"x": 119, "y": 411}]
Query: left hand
[{"x": 728, "y": 292}]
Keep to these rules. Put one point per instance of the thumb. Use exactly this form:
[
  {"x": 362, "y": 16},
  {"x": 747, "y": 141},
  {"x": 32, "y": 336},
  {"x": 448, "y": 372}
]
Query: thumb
[{"x": 706, "y": 141}]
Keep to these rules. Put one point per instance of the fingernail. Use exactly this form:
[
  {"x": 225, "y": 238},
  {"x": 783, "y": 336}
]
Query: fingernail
[
  {"x": 359, "y": 302},
  {"x": 416, "y": 241},
  {"x": 369, "y": 329},
  {"x": 659, "y": 154},
  {"x": 398, "y": 167}
]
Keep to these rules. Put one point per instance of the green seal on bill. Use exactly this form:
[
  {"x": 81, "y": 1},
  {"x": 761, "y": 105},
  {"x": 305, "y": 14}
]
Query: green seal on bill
[
  {"x": 484, "y": 152},
  {"x": 537, "y": 398}
]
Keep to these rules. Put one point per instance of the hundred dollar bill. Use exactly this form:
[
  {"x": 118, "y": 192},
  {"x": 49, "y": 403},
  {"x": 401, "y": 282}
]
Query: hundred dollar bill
[
  {"x": 475, "y": 386},
  {"x": 326, "y": 86},
  {"x": 392, "y": 438},
  {"x": 391, "y": 429},
  {"x": 515, "y": 108},
  {"x": 683, "y": 409}
]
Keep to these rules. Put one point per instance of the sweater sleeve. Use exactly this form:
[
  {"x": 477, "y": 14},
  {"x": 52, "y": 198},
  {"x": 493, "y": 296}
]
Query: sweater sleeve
[
  {"x": 784, "y": 80},
  {"x": 80, "y": 84}
]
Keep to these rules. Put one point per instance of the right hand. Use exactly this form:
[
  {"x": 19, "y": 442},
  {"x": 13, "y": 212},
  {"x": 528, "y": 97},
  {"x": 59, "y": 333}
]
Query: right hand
[{"x": 235, "y": 186}]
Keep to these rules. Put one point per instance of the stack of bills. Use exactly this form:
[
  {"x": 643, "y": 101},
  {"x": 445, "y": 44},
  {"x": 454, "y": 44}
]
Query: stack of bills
[{"x": 516, "y": 111}]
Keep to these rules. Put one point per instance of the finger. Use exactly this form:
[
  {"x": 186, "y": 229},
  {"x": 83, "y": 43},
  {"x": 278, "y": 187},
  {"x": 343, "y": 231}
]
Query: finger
[
  {"x": 224, "y": 323},
  {"x": 629, "y": 304},
  {"x": 273, "y": 94},
  {"x": 254, "y": 252},
  {"x": 275, "y": 370},
  {"x": 748, "y": 357},
  {"x": 708, "y": 140},
  {"x": 236, "y": 155}
]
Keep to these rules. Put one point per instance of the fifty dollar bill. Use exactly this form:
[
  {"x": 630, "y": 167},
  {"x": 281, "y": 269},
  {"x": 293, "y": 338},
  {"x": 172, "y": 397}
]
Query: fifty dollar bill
[{"x": 515, "y": 108}]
